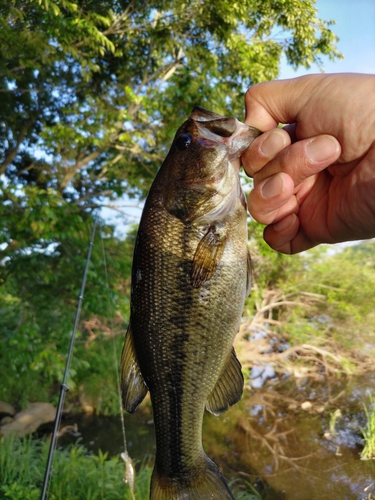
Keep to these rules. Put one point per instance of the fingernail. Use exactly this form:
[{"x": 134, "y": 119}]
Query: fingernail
[
  {"x": 274, "y": 186},
  {"x": 285, "y": 223},
  {"x": 273, "y": 144},
  {"x": 322, "y": 148}
]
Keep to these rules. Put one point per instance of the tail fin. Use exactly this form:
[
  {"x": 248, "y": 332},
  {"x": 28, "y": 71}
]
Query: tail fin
[{"x": 208, "y": 485}]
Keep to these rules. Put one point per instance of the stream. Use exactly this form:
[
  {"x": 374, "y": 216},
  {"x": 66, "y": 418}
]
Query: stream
[{"x": 292, "y": 441}]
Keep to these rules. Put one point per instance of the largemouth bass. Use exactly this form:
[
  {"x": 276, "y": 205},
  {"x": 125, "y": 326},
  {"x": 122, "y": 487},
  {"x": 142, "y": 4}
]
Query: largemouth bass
[{"x": 190, "y": 277}]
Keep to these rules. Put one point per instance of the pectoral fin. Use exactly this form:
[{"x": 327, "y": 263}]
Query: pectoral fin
[
  {"x": 207, "y": 257},
  {"x": 228, "y": 389},
  {"x": 133, "y": 386}
]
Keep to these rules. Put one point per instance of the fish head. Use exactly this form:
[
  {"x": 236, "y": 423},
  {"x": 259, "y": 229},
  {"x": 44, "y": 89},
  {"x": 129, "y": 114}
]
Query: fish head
[{"x": 202, "y": 166}]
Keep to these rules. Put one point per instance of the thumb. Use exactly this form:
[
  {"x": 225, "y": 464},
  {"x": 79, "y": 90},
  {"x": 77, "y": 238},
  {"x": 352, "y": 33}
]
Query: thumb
[{"x": 280, "y": 101}]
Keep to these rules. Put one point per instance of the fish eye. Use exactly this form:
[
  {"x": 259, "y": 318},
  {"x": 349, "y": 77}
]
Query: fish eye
[{"x": 183, "y": 142}]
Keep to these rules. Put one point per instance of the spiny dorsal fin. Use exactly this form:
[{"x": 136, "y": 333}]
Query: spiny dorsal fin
[
  {"x": 228, "y": 388},
  {"x": 207, "y": 257},
  {"x": 133, "y": 386}
]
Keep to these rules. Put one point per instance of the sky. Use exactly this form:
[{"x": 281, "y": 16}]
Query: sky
[{"x": 355, "y": 27}]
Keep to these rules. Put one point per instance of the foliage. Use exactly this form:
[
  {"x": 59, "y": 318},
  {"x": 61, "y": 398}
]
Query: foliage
[
  {"x": 77, "y": 474},
  {"x": 334, "y": 417},
  {"x": 38, "y": 306},
  {"x": 320, "y": 297},
  {"x": 93, "y": 93},
  {"x": 96, "y": 380},
  {"x": 251, "y": 494},
  {"x": 269, "y": 268},
  {"x": 368, "y": 451},
  {"x": 345, "y": 281}
]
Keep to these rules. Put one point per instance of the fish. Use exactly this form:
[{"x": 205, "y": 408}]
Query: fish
[
  {"x": 129, "y": 476},
  {"x": 191, "y": 274}
]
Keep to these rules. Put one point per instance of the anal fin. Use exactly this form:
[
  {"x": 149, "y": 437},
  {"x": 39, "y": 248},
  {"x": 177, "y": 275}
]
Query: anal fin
[
  {"x": 133, "y": 386},
  {"x": 229, "y": 387}
]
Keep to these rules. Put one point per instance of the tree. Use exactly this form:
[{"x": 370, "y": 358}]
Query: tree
[
  {"x": 93, "y": 92},
  {"x": 38, "y": 304}
]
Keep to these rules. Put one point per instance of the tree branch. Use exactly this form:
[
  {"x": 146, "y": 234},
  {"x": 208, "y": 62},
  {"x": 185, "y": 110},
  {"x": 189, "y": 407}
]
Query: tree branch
[
  {"x": 79, "y": 164},
  {"x": 13, "y": 153}
]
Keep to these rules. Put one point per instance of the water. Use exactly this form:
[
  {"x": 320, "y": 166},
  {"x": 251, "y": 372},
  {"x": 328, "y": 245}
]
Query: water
[{"x": 293, "y": 442}]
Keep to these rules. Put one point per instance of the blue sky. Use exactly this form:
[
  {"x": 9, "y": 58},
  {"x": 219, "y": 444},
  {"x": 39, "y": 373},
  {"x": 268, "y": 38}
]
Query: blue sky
[{"x": 355, "y": 26}]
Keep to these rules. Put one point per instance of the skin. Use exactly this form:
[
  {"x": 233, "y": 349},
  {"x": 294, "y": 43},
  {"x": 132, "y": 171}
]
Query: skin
[{"x": 314, "y": 180}]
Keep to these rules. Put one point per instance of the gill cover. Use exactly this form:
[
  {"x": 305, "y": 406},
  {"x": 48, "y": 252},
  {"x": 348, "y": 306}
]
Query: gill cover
[{"x": 201, "y": 169}]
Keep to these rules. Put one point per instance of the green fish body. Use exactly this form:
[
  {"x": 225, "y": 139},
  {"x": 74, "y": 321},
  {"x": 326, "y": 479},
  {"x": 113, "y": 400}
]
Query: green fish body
[{"x": 190, "y": 277}]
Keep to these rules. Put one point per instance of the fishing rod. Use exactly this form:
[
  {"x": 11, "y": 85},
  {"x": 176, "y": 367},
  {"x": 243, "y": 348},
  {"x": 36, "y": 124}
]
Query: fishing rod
[{"x": 64, "y": 387}]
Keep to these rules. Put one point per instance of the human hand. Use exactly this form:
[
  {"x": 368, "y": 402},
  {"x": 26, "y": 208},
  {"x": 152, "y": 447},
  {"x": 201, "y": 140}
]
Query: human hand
[{"x": 314, "y": 180}]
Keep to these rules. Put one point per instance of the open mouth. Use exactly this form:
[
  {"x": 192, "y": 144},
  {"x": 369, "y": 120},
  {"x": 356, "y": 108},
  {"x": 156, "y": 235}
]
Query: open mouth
[{"x": 214, "y": 130}]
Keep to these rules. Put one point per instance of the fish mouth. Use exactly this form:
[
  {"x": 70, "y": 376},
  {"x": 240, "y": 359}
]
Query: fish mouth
[{"x": 215, "y": 130}]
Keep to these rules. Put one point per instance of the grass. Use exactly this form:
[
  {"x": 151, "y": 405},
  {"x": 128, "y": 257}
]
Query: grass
[
  {"x": 249, "y": 494},
  {"x": 336, "y": 415},
  {"x": 368, "y": 432},
  {"x": 77, "y": 474}
]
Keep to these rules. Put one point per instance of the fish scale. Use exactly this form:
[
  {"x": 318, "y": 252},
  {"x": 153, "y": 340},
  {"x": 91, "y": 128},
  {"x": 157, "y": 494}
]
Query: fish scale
[{"x": 189, "y": 281}]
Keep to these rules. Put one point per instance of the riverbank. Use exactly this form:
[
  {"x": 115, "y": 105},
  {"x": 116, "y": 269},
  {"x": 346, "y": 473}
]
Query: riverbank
[{"x": 290, "y": 440}]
